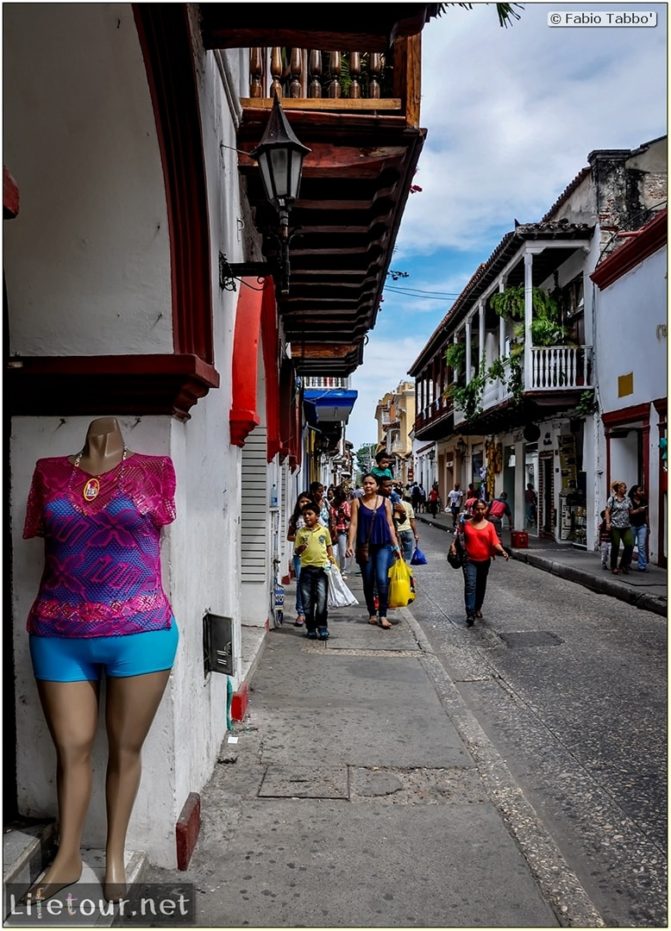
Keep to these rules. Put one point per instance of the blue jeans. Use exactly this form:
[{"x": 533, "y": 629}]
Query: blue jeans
[
  {"x": 407, "y": 539},
  {"x": 475, "y": 584},
  {"x": 375, "y": 577},
  {"x": 641, "y": 540},
  {"x": 314, "y": 592},
  {"x": 299, "y": 597}
]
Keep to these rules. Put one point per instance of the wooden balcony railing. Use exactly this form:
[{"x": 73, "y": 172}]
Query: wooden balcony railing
[{"x": 349, "y": 80}]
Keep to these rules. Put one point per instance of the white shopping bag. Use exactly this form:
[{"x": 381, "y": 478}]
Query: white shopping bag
[{"x": 339, "y": 594}]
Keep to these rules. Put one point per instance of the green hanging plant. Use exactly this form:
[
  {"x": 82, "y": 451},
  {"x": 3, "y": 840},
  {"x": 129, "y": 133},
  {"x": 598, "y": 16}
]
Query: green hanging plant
[
  {"x": 586, "y": 403},
  {"x": 455, "y": 356}
]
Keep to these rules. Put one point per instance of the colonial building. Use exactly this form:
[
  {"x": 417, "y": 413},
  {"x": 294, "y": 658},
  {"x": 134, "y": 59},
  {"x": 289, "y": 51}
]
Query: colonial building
[
  {"x": 149, "y": 278},
  {"x": 509, "y": 384},
  {"x": 395, "y": 416}
]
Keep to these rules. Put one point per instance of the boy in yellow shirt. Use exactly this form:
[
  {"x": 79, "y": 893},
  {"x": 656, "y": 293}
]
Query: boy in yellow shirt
[{"x": 313, "y": 545}]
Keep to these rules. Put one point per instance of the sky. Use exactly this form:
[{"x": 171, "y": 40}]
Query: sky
[{"x": 511, "y": 114}]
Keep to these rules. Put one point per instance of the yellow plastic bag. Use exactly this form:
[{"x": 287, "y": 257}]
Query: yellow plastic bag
[{"x": 401, "y": 587}]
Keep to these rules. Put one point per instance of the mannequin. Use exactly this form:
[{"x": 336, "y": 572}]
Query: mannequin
[{"x": 101, "y": 476}]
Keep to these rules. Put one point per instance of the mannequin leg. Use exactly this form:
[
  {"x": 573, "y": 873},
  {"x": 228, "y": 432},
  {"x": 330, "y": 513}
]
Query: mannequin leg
[
  {"x": 71, "y": 711},
  {"x": 132, "y": 702}
]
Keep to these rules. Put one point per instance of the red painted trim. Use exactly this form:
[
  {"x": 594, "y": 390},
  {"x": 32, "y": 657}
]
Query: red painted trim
[
  {"x": 10, "y": 195},
  {"x": 165, "y": 39},
  {"x": 243, "y": 416},
  {"x": 639, "y": 246},
  {"x": 98, "y": 385},
  {"x": 629, "y": 416},
  {"x": 187, "y": 830},
  {"x": 255, "y": 319},
  {"x": 626, "y": 414},
  {"x": 239, "y": 702},
  {"x": 269, "y": 330}
]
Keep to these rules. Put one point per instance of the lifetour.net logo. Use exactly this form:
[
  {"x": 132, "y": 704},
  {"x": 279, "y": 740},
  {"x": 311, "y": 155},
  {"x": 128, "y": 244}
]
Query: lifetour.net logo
[{"x": 83, "y": 906}]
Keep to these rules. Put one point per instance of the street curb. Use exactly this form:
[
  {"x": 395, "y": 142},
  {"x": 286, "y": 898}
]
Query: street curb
[
  {"x": 605, "y": 586},
  {"x": 558, "y": 883}
]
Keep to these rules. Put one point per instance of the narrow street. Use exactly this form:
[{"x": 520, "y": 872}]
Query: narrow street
[
  {"x": 508, "y": 775},
  {"x": 570, "y": 687}
]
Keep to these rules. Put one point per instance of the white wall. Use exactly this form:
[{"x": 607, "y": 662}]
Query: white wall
[
  {"x": 630, "y": 312},
  {"x": 87, "y": 260},
  {"x": 88, "y": 272}
]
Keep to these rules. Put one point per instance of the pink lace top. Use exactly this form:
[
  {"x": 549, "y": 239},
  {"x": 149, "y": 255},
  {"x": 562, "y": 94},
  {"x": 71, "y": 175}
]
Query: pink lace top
[{"x": 102, "y": 573}]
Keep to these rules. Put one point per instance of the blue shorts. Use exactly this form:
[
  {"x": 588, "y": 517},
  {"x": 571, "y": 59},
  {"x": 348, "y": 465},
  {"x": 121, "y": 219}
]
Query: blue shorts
[{"x": 78, "y": 659}]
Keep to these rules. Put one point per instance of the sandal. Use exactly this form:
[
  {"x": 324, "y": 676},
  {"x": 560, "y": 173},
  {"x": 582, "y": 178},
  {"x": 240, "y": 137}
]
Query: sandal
[
  {"x": 384, "y": 624},
  {"x": 615, "y": 571},
  {"x": 372, "y": 620},
  {"x": 300, "y": 620}
]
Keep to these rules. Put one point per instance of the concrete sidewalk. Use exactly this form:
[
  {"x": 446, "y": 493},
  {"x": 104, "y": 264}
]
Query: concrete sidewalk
[
  {"x": 362, "y": 792},
  {"x": 647, "y": 590}
]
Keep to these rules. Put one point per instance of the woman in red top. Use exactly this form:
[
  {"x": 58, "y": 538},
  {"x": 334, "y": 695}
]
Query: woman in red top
[{"x": 479, "y": 541}]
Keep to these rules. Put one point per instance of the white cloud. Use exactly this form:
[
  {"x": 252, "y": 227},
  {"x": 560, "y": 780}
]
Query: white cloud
[
  {"x": 512, "y": 114},
  {"x": 386, "y": 362}
]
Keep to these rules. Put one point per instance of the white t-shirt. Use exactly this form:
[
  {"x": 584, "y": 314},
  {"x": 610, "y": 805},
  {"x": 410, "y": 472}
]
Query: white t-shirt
[{"x": 454, "y": 497}]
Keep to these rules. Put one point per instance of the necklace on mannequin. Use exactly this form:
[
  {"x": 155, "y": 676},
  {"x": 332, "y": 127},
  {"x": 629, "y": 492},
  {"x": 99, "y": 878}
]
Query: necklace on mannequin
[{"x": 91, "y": 488}]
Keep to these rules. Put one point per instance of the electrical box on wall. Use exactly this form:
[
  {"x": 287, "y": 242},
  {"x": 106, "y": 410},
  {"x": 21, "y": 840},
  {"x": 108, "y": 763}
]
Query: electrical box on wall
[{"x": 218, "y": 644}]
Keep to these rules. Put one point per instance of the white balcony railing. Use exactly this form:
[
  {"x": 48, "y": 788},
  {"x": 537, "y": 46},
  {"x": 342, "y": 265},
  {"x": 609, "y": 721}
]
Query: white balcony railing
[
  {"x": 557, "y": 368},
  {"x": 329, "y": 381}
]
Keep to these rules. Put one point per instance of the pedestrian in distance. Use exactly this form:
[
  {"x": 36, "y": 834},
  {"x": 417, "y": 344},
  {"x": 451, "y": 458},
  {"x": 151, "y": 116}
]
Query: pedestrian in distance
[
  {"x": 313, "y": 546},
  {"x": 530, "y": 505},
  {"x": 478, "y": 541},
  {"x": 406, "y": 527},
  {"x": 454, "y": 499},
  {"x": 340, "y": 515},
  {"x": 319, "y": 498},
  {"x": 382, "y": 467},
  {"x": 434, "y": 500},
  {"x": 639, "y": 524},
  {"x": 296, "y": 522},
  {"x": 618, "y": 517},
  {"x": 498, "y": 509},
  {"x": 374, "y": 542},
  {"x": 604, "y": 541}
]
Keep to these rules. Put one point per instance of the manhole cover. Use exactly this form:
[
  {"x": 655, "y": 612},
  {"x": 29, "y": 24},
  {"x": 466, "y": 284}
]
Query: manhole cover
[
  {"x": 531, "y": 638},
  {"x": 305, "y": 782}
]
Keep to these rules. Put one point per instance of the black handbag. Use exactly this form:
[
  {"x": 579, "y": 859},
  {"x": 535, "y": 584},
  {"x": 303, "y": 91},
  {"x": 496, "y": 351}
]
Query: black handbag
[{"x": 457, "y": 560}]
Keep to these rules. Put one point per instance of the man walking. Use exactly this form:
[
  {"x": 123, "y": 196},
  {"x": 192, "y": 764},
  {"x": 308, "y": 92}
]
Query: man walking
[{"x": 454, "y": 499}]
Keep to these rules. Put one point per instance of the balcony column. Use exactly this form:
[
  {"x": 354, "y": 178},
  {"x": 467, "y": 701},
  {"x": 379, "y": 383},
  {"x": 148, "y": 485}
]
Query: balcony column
[
  {"x": 481, "y": 334},
  {"x": 455, "y": 377},
  {"x": 528, "y": 315},
  {"x": 467, "y": 329},
  {"x": 502, "y": 341}
]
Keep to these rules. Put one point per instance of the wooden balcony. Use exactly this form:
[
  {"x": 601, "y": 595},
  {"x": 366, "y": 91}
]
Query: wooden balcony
[{"x": 358, "y": 112}]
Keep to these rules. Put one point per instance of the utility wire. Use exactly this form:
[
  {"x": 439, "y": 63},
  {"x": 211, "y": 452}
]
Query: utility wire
[{"x": 428, "y": 295}]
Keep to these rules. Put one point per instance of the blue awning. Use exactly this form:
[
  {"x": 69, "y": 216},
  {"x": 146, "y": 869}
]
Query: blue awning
[{"x": 328, "y": 404}]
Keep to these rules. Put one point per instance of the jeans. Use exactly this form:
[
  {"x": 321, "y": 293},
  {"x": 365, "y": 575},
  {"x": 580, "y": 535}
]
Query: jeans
[
  {"x": 299, "y": 597},
  {"x": 641, "y": 540},
  {"x": 605, "y": 553},
  {"x": 475, "y": 585},
  {"x": 626, "y": 535},
  {"x": 374, "y": 575},
  {"x": 341, "y": 546},
  {"x": 313, "y": 584},
  {"x": 407, "y": 539}
]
